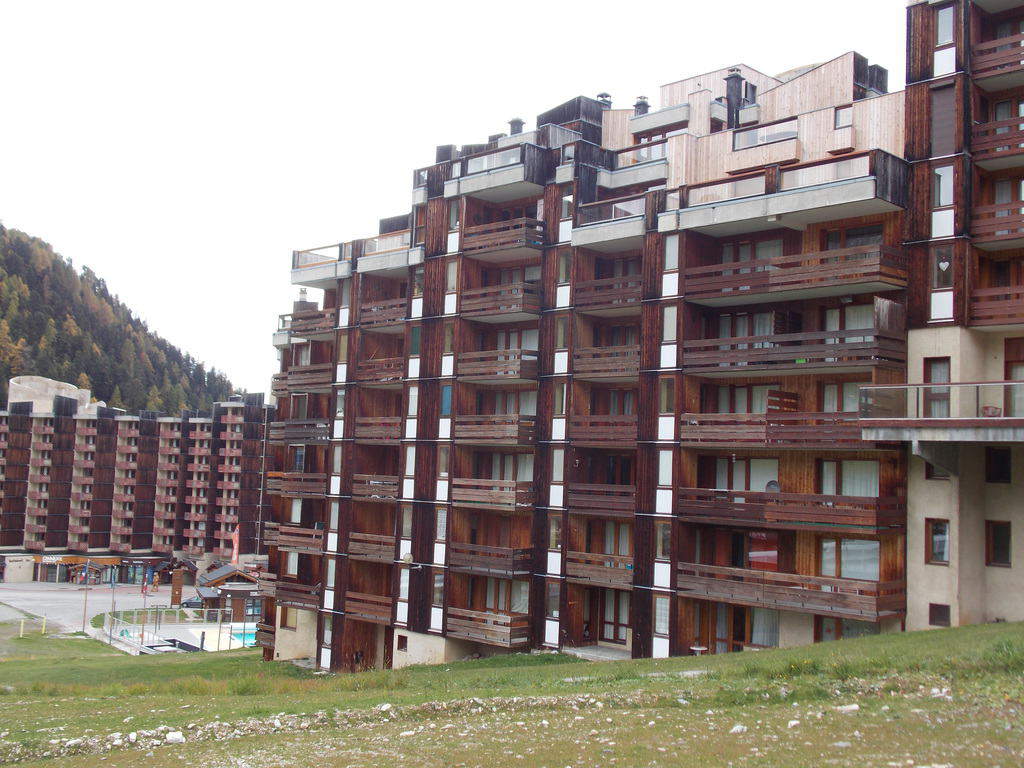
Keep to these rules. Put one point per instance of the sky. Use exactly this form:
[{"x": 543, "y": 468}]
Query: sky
[{"x": 182, "y": 150}]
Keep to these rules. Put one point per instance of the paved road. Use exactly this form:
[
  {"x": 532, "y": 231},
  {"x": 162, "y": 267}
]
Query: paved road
[{"x": 62, "y": 604}]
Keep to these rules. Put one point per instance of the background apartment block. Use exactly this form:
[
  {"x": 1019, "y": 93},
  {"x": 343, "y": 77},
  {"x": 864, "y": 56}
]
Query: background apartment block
[{"x": 82, "y": 482}]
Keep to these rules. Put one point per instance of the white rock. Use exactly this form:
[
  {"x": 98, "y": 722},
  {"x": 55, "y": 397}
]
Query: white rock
[
  {"x": 738, "y": 729},
  {"x": 407, "y": 733},
  {"x": 841, "y": 744},
  {"x": 848, "y": 708},
  {"x": 793, "y": 724},
  {"x": 133, "y": 737},
  {"x": 175, "y": 737},
  {"x": 385, "y": 707}
]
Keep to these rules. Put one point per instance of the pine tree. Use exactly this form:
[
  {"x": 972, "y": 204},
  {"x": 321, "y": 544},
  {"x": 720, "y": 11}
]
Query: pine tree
[{"x": 115, "y": 398}]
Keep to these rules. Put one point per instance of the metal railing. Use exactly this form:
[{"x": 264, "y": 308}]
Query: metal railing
[{"x": 980, "y": 400}]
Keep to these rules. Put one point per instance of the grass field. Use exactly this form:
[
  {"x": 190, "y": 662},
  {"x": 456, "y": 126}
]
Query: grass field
[{"x": 941, "y": 698}]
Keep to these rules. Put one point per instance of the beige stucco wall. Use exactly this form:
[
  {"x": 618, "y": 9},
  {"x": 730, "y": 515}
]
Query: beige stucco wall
[
  {"x": 795, "y": 629},
  {"x": 18, "y": 569},
  {"x": 428, "y": 649},
  {"x": 298, "y": 643}
]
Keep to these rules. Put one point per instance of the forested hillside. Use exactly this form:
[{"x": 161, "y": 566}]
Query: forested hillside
[{"x": 65, "y": 325}]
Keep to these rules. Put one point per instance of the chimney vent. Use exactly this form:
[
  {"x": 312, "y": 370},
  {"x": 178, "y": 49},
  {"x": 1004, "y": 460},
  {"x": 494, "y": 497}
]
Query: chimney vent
[
  {"x": 302, "y": 294},
  {"x": 733, "y": 96},
  {"x": 515, "y": 126},
  {"x": 605, "y": 100},
  {"x": 641, "y": 107}
]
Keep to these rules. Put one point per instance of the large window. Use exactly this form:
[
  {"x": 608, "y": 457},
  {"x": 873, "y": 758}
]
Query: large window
[
  {"x": 997, "y": 465},
  {"x": 850, "y": 558},
  {"x": 766, "y": 134},
  {"x": 997, "y": 543}
]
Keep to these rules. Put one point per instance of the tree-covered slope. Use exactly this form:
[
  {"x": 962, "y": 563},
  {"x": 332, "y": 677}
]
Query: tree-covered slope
[{"x": 65, "y": 325}]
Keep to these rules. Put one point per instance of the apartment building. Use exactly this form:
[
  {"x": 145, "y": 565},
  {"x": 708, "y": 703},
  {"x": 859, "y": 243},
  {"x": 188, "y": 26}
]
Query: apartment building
[
  {"x": 600, "y": 387},
  {"x": 85, "y": 483},
  {"x": 960, "y": 414}
]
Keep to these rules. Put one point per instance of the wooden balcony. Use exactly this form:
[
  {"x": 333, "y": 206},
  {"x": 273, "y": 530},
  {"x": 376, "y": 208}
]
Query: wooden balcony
[
  {"x": 295, "y": 538},
  {"x": 611, "y": 297},
  {"x": 380, "y": 313},
  {"x": 999, "y": 144},
  {"x": 790, "y": 510},
  {"x": 511, "y": 303},
  {"x": 998, "y": 65},
  {"x": 602, "y": 500},
  {"x": 997, "y": 306},
  {"x": 495, "y": 429},
  {"x": 607, "y": 363},
  {"x": 500, "y": 241},
  {"x": 495, "y": 366},
  {"x": 226, "y": 518},
  {"x": 279, "y": 385},
  {"x": 507, "y": 630},
  {"x": 191, "y": 549},
  {"x": 772, "y": 429},
  {"x": 809, "y": 352},
  {"x": 492, "y": 494},
  {"x": 120, "y": 546},
  {"x": 864, "y": 269},
  {"x": 378, "y": 429},
  {"x": 265, "y": 635},
  {"x": 603, "y": 431},
  {"x": 37, "y": 545},
  {"x": 501, "y": 562},
  {"x": 35, "y": 528},
  {"x": 376, "y": 609},
  {"x": 842, "y": 598},
  {"x": 310, "y": 378},
  {"x": 998, "y": 227},
  {"x": 614, "y": 571},
  {"x": 305, "y": 431},
  {"x": 375, "y": 487},
  {"x": 312, "y": 323},
  {"x": 296, "y": 483},
  {"x": 383, "y": 370},
  {"x": 374, "y": 547}
]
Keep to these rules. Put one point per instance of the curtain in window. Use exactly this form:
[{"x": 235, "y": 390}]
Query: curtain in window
[
  {"x": 721, "y": 629},
  {"x": 759, "y": 399},
  {"x": 764, "y": 628},
  {"x": 520, "y": 597},
  {"x": 860, "y": 478},
  {"x": 762, "y": 472},
  {"x": 860, "y": 559}
]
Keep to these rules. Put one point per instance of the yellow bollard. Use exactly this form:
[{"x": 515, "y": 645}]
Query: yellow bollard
[
  {"x": 43, "y": 630},
  {"x": 21, "y": 632}
]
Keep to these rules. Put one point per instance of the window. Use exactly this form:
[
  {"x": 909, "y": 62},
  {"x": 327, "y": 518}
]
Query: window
[
  {"x": 442, "y": 460},
  {"x": 848, "y": 478},
  {"x": 671, "y": 253},
  {"x": 451, "y": 277},
  {"x": 414, "y": 339},
  {"x": 850, "y": 558},
  {"x": 564, "y": 266},
  {"x": 942, "y": 186},
  {"x": 446, "y": 400},
  {"x": 554, "y": 531},
  {"x": 943, "y": 128},
  {"x": 557, "y": 465},
  {"x": 936, "y": 398},
  {"x": 559, "y": 399},
  {"x": 938, "y": 615},
  {"x": 661, "y": 608},
  {"x": 566, "y": 210},
  {"x": 765, "y": 134},
  {"x": 403, "y": 583},
  {"x": 291, "y": 563},
  {"x": 437, "y": 593},
  {"x": 414, "y": 398},
  {"x": 406, "y": 521},
  {"x": 936, "y": 541},
  {"x": 662, "y": 540},
  {"x": 666, "y": 395},
  {"x": 561, "y": 332},
  {"x": 668, "y": 324},
  {"x": 997, "y": 543},
  {"x": 441, "y": 524},
  {"x": 417, "y": 281},
  {"x": 843, "y": 117},
  {"x": 331, "y": 573},
  {"x": 402, "y": 643},
  {"x": 942, "y": 268},
  {"x": 997, "y": 465},
  {"x": 837, "y": 629},
  {"x": 944, "y": 25},
  {"x": 749, "y": 93},
  {"x": 449, "y": 338},
  {"x": 289, "y": 617},
  {"x": 453, "y": 215},
  {"x": 552, "y": 599}
]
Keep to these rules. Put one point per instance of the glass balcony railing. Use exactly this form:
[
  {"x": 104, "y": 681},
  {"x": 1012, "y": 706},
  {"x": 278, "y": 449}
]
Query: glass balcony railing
[
  {"x": 327, "y": 254},
  {"x": 396, "y": 241},
  {"x": 987, "y": 400},
  {"x": 612, "y": 210},
  {"x": 643, "y": 153}
]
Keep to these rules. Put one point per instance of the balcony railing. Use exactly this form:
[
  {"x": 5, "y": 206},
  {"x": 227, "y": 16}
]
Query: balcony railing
[
  {"x": 265, "y": 635},
  {"x": 498, "y": 364},
  {"x": 497, "y": 429},
  {"x": 378, "y": 429},
  {"x": 317, "y": 375},
  {"x": 603, "y": 430},
  {"x": 1003, "y": 56},
  {"x": 296, "y": 483},
  {"x": 610, "y": 210},
  {"x": 997, "y": 306},
  {"x": 492, "y": 494},
  {"x": 294, "y": 538},
  {"x": 641, "y": 153},
  {"x": 501, "y": 300},
  {"x": 1003, "y": 223},
  {"x": 309, "y": 322},
  {"x": 373, "y": 608},
  {"x": 293, "y": 595},
  {"x": 862, "y": 347},
  {"x": 999, "y": 144},
  {"x": 375, "y": 487},
  {"x": 984, "y": 404},
  {"x": 306, "y": 431},
  {"x": 393, "y": 241},
  {"x": 601, "y": 499},
  {"x": 843, "y": 598},
  {"x": 375, "y": 313},
  {"x": 371, "y": 546},
  {"x": 610, "y": 293},
  {"x": 607, "y": 362},
  {"x": 315, "y": 257},
  {"x": 383, "y": 369},
  {"x": 775, "y": 428},
  {"x": 501, "y": 562},
  {"x": 789, "y": 510},
  {"x": 870, "y": 267},
  {"x": 513, "y": 239},
  {"x": 508, "y": 630},
  {"x": 614, "y": 571}
]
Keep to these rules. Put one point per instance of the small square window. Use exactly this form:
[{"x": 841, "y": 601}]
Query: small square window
[
  {"x": 997, "y": 465},
  {"x": 997, "y": 543},
  {"x": 938, "y": 615},
  {"x": 402, "y": 643}
]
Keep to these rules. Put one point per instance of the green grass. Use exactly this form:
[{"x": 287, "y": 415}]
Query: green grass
[{"x": 94, "y": 689}]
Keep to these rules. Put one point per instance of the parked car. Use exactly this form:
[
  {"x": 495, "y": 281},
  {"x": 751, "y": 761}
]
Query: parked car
[{"x": 192, "y": 602}]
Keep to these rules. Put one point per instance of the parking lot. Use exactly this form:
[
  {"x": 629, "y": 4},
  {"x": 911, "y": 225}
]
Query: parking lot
[{"x": 63, "y": 604}]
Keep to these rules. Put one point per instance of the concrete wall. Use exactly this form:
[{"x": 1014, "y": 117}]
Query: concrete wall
[
  {"x": 40, "y": 391},
  {"x": 795, "y": 629},
  {"x": 18, "y": 569},
  {"x": 428, "y": 649},
  {"x": 298, "y": 643}
]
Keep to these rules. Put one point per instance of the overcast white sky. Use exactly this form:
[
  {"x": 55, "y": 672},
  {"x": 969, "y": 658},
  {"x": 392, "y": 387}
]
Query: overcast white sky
[{"x": 183, "y": 149}]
